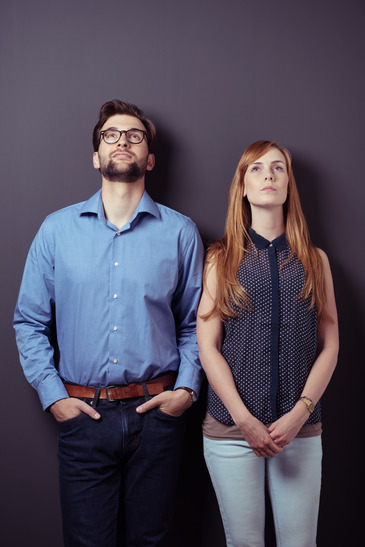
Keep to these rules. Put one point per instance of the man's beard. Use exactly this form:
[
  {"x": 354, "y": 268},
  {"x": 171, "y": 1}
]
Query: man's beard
[{"x": 124, "y": 172}]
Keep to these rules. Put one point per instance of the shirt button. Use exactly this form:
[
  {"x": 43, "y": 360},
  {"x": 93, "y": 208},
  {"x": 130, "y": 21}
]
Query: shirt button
[
  {"x": 115, "y": 296},
  {"x": 115, "y": 361},
  {"x": 115, "y": 328},
  {"x": 270, "y": 245},
  {"x": 116, "y": 263},
  {"x": 118, "y": 233}
]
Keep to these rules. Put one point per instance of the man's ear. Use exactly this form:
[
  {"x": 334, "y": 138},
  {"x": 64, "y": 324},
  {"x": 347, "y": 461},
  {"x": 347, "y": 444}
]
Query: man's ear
[
  {"x": 96, "y": 162},
  {"x": 150, "y": 162}
]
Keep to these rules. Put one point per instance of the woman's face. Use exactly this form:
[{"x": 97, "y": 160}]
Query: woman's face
[{"x": 266, "y": 180}]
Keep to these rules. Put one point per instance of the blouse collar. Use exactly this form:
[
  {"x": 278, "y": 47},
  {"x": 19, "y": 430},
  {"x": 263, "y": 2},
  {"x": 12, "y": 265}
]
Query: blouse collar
[{"x": 261, "y": 243}]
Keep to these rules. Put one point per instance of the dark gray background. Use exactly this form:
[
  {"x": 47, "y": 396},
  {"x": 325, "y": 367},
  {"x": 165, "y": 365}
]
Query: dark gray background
[{"x": 215, "y": 76}]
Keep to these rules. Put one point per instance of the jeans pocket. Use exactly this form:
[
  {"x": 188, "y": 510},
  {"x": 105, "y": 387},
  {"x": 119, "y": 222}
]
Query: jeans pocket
[
  {"x": 72, "y": 420},
  {"x": 163, "y": 415}
]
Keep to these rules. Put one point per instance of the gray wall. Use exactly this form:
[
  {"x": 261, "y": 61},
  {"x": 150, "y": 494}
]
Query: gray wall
[{"x": 215, "y": 76}]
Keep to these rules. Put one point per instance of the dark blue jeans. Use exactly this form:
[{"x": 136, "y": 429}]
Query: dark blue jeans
[{"x": 118, "y": 476}]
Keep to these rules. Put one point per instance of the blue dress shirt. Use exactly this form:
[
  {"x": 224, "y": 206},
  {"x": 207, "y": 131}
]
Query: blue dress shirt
[{"x": 123, "y": 301}]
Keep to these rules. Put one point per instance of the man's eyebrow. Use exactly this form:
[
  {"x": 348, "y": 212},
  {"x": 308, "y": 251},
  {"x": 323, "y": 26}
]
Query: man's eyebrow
[{"x": 116, "y": 129}]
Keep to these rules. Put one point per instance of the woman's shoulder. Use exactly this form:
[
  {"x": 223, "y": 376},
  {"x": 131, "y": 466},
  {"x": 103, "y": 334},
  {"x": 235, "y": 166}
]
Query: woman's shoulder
[
  {"x": 322, "y": 254},
  {"x": 324, "y": 259},
  {"x": 213, "y": 255}
]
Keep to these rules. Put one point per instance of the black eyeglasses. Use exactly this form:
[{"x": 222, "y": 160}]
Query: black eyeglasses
[{"x": 134, "y": 136}]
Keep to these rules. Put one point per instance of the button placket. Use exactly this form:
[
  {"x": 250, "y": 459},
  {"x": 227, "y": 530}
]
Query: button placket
[{"x": 115, "y": 313}]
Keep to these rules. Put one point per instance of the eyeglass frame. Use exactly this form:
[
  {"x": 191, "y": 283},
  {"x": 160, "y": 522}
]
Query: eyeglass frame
[{"x": 121, "y": 131}]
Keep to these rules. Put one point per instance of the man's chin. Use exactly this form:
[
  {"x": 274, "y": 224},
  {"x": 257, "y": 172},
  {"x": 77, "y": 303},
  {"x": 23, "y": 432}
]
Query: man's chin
[
  {"x": 129, "y": 174},
  {"x": 120, "y": 179}
]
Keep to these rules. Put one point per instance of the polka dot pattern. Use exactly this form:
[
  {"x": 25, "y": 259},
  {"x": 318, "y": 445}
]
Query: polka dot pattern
[{"x": 248, "y": 337}]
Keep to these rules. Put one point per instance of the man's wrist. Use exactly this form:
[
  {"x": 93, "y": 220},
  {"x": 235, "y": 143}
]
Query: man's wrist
[{"x": 190, "y": 391}]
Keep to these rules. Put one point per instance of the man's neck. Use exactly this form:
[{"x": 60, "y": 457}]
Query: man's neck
[{"x": 120, "y": 200}]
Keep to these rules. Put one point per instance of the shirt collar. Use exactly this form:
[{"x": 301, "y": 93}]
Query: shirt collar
[
  {"x": 260, "y": 242},
  {"x": 94, "y": 205},
  {"x": 147, "y": 205}
]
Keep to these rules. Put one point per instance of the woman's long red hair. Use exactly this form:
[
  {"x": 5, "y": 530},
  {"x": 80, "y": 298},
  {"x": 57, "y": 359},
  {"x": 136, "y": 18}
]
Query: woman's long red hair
[{"x": 227, "y": 253}]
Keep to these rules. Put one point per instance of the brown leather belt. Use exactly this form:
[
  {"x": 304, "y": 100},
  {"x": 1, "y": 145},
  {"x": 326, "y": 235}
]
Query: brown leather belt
[{"x": 116, "y": 393}]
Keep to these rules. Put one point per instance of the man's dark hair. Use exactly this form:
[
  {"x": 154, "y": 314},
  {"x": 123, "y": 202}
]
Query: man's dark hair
[{"x": 111, "y": 108}]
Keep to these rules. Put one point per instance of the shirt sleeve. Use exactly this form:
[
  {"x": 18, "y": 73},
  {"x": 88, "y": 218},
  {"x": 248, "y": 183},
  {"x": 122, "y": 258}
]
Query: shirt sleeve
[
  {"x": 184, "y": 306},
  {"x": 34, "y": 320}
]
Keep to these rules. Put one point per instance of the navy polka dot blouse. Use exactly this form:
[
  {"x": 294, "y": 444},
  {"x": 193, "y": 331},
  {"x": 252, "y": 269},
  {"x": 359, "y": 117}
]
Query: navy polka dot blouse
[{"x": 271, "y": 348}]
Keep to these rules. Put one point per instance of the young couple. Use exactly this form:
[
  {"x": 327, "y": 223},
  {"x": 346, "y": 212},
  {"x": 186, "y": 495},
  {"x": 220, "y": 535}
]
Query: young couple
[{"x": 118, "y": 279}]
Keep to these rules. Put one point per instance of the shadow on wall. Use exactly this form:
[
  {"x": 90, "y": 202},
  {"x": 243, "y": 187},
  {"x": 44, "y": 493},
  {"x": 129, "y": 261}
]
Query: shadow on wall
[
  {"x": 308, "y": 182},
  {"x": 340, "y": 512},
  {"x": 197, "y": 521},
  {"x": 158, "y": 181}
]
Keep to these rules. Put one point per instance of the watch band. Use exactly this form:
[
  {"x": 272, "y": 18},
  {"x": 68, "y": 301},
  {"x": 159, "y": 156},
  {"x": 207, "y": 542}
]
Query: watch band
[{"x": 308, "y": 402}]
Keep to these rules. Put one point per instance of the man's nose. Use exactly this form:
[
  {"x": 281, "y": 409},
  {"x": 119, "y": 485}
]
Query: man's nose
[{"x": 123, "y": 141}]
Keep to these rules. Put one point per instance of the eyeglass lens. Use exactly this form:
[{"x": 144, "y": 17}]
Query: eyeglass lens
[{"x": 134, "y": 136}]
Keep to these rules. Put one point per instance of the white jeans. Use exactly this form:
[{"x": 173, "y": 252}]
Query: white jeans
[{"x": 293, "y": 478}]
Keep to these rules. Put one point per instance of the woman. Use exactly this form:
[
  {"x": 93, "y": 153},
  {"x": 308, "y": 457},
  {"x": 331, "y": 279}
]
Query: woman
[{"x": 268, "y": 341}]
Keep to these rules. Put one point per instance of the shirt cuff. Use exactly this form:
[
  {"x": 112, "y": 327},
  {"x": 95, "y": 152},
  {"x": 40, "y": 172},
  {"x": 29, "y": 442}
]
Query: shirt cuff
[
  {"x": 191, "y": 379},
  {"x": 51, "y": 390}
]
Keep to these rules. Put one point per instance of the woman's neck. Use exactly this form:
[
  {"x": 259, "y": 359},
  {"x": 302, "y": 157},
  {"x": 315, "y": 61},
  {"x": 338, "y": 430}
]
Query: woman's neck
[{"x": 268, "y": 223}]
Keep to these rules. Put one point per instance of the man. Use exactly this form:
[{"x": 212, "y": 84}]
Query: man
[{"x": 118, "y": 277}]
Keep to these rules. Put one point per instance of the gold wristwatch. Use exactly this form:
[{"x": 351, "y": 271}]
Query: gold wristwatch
[{"x": 308, "y": 402}]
